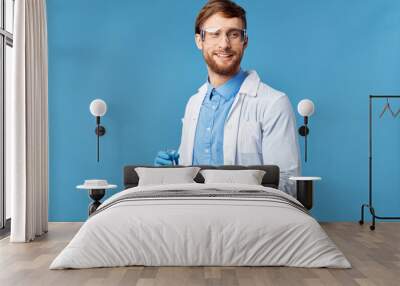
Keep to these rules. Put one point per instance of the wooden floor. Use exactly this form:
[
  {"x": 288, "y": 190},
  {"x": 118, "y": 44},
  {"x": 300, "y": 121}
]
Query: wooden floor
[{"x": 375, "y": 257}]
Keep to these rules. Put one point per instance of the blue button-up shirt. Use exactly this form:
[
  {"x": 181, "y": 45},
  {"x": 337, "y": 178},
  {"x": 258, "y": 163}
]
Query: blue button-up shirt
[{"x": 209, "y": 140}]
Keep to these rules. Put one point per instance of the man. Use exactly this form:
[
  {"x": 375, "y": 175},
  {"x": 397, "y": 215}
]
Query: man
[{"x": 234, "y": 118}]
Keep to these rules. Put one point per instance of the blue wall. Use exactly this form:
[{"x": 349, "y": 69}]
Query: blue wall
[{"x": 141, "y": 59}]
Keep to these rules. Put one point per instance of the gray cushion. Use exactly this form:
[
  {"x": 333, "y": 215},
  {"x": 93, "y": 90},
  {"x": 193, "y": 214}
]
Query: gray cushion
[
  {"x": 248, "y": 177},
  {"x": 163, "y": 176}
]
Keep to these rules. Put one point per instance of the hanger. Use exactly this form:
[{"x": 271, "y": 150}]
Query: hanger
[
  {"x": 397, "y": 113},
  {"x": 387, "y": 107}
]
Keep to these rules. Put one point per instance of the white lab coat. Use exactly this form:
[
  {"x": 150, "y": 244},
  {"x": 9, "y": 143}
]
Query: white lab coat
[{"x": 260, "y": 129}]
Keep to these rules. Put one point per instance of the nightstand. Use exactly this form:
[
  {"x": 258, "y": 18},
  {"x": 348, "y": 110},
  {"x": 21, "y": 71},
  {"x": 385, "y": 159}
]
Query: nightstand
[
  {"x": 97, "y": 190},
  {"x": 304, "y": 187}
]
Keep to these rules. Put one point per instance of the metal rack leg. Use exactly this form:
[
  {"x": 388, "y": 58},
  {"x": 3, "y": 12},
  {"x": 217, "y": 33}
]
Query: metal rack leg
[
  {"x": 374, "y": 216},
  {"x": 361, "y": 221},
  {"x": 372, "y": 210}
]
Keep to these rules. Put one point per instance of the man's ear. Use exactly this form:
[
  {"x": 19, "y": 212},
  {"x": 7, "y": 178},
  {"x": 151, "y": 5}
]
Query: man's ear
[
  {"x": 246, "y": 42},
  {"x": 199, "y": 42}
]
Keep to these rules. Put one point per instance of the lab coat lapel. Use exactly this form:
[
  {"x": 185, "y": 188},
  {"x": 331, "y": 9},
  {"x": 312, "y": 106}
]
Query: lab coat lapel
[
  {"x": 249, "y": 87},
  {"x": 231, "y": 129}
]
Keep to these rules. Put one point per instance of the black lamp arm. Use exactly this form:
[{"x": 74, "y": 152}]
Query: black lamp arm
[
  {"x": 100, "y": 131},
  {"x": 303, "y": 131}
]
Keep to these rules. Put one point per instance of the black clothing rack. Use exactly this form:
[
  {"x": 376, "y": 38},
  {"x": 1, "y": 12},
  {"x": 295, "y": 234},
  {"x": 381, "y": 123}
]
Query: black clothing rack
[{"x": 369, "y": 205}]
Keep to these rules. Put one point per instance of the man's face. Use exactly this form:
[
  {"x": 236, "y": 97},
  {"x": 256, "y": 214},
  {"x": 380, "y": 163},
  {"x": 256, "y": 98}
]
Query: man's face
[{"x": 222, "y": 54}]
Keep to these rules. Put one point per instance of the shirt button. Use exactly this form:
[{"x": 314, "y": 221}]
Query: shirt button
[
  {"x": 206, "y": 150},
  {"x": 214, "y": 107},
  {"x": 208, "y": 129}
]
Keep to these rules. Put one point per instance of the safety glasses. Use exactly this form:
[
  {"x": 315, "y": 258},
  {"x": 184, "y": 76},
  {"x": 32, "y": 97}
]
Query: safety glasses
[{"x": 214, "y": 35}]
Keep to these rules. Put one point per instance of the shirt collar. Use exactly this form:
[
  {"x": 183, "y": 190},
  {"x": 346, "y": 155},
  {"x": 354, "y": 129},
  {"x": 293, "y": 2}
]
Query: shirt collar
[{"x": 230, "y": 88}]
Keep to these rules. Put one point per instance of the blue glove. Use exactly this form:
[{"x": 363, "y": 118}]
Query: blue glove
[
  {"x": 166, "y": 158},
  {"x": 174, "y": 155}
]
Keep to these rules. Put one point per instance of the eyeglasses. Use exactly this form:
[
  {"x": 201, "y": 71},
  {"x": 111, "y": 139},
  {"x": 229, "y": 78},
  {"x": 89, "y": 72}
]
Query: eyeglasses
[{"x": 213, "y": 35}]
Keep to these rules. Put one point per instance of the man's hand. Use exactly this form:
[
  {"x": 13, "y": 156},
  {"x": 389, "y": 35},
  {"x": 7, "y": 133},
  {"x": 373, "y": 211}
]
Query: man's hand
[{"x": 166, "y": 158}]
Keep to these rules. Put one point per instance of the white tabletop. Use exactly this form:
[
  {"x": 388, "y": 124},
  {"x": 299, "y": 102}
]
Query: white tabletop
[
  {"x": 83, "y": 187},
  {"x": 305, "y": 178}
]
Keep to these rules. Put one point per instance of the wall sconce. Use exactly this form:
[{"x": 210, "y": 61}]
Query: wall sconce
[
  {"x": 306, "y": 109},
  {"x": 98, "y": 108}
]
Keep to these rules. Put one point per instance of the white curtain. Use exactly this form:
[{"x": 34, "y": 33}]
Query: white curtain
[{"x": 27, "y": 124}]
